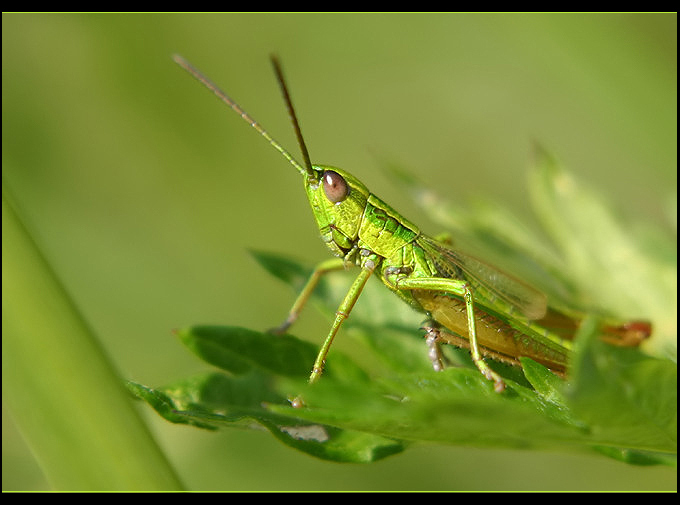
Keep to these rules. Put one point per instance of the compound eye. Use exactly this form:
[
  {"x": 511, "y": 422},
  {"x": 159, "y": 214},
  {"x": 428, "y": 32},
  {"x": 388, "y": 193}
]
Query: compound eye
[{"x": 334, "y": 186}]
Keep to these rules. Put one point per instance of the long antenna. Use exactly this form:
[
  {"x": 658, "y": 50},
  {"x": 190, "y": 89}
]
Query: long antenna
[
  {"x": 307, "y": 170},
  {"x": 291, "y": 111}
]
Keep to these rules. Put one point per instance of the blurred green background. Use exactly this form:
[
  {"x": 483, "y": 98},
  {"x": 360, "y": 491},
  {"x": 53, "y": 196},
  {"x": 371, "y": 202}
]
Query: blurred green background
[{"x": 144, "y": 193}]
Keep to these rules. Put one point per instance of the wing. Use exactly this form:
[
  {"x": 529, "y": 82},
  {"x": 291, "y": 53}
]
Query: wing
[{"x": 522, "y": 297}]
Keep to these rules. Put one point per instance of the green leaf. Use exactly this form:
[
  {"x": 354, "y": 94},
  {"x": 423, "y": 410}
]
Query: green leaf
[
  {"x": 643, "y": 390},
  {"x": 616, "y": 271},
  {"x": 456, "y": 406},
  {"x": 347, "y": 418},
  {"x": 544, "y": 382},
  {"x": 258, "y": 362},
  {"x": 61, "y": 387},
  {"x": 215, "y": 400},
  {"x": 239, "y": 350}
]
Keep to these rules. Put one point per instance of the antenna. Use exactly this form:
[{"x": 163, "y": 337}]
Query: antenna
[
  {"x": 291, "y": 111},
  {"x": 307, "y": 169}
]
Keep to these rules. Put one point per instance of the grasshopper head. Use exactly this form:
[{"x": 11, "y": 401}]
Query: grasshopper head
[{"x": 338, "y": 200}]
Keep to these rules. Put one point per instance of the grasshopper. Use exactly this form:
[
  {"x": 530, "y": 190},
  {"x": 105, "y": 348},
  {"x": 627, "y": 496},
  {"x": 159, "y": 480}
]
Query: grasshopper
[{"x": 469, "y": 303}]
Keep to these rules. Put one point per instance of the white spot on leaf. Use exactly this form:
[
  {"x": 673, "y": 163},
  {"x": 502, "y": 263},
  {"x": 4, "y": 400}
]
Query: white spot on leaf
[{"x": 313, "y": 432}]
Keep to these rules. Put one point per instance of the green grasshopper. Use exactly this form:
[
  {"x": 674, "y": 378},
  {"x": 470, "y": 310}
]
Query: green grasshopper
[{"x": 469, "y": 303}]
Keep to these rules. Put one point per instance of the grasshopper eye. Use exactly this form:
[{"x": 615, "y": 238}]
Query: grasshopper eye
[{"x": 334, "y": 186}]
